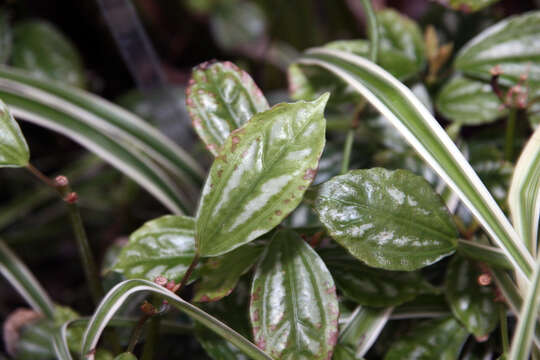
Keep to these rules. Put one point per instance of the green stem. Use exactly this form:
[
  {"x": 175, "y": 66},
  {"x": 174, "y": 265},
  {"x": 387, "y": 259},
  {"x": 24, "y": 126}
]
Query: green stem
[
  {"x": 504, "y": 328},
  {"x": 347, "y": 148},
  {"x": 152, "y": 337},
  {"x": 510, "y": 135},
  {"x": 70, "y": 198}
]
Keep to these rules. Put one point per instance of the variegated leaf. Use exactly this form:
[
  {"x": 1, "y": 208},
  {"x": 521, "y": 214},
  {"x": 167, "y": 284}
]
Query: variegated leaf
[
  {"x": 221, "y": 98},
  {"x": 294, "y": 308},
  {"x": 13, "y": 148},
  {"x": 392, "y": 220},
  {"x": 260, "y": 175},
  {"x": 164, "y": 246}
]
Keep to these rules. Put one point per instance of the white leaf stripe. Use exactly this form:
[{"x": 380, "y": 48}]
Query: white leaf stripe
[
  {"x": 442, "y": 155},
  {"x": 524, "y": 193},
  {"x": 165, "y": 151},
  {"x": 116, "y": 297},
  {"x": 24, "y": 282},
  {"x": 133, "y": 165}
]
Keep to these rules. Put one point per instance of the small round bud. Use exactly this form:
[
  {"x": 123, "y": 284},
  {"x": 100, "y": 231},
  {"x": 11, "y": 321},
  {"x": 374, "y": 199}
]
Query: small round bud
[
  {"x": 148, "y": 308},
  {"x": 71, "y": 198},
  {"x": 160, "y": 280},
  {"x": 484, "y": 279},
  {"x": 170, "y": 285},
  {"x": 496, "y": 70},
  {"x": 61, "y": 181}
]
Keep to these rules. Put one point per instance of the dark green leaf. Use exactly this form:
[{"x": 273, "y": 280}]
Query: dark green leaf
[
  {"x": 434, "y": 339},
  {"x": 43, "y": 50},
  {"x": 221, "y": 98},
  {"x": 470, "y": 302},
  {"x": 294, "y": 308},
  {"x": 513, "y": 44},
  {"x": 163, "y": 246},
  {"x": 388, "y": 219},
  {"x": 468, "y": 6},
  {"x": 13, "y": 148},
  {"x": 369, "y": 286},
  {"x": 260, "y": 175},
  {"x": 220, "y": 275},
  {"x": 469, "y": 102}
]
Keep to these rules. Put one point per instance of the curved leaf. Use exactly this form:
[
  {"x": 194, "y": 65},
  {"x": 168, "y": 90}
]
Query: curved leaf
[
  {"x": 389, "y": 219},
  {"x": 110, "y": 143},
  {"x": 427, "y": 137},
  {"x": 221, "y": 98},
  {"x": 469, "y": 102},
  {"x": 14, "y": 150},
  {"x": 24, "y": 282},
  {"x": 524, "y": 193},
  {"x": 369, "y": 286},
  {"x": 125, "y": 356},
  {"x": 43, "y": 50},
  {"x": 260, "y": 175},
  {"x": 119, "y": 294},
  {"x": 471, "y": 303},
  {"x": 512, "y": 44},
  {"x": 220, "y": 275},
  {"x": 294, "y": 309},
  {"x": 164, "y": 246},
  {"x": 434, "y": 339}
]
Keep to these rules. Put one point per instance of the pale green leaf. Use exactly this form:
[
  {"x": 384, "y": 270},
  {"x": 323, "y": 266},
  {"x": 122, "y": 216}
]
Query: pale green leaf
[
  {"x": 260, "y": 175},
  {"x": 116, "y": 297},
  {"x": 434, "y": 339},
  {"x": 220, "y": 275},
  {"x": 294, "y": 309},
  {"x": 221, "y": 98},
  {"x": 164, "y": 246},
  {"x": 14, "y": 150},
  {"x": 40, "y": 48},
  {"x": 392, "y": 220},
  {"x": 372, "y": 287},
  {"x": 426, "y": 136},
  {"x": 469, "y": 102},
  {"x": 512, "y": 44},
  {"x": 471, "y": 303}
]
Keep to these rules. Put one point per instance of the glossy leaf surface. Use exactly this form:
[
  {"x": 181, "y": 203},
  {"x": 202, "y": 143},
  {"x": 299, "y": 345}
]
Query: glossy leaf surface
[
  {"x": 164, "y": 246},
  {"x": 434, "y": 339},
  {"x": 469, "y": 102},
  {"x": 14, "y": 150},
  {"x": 372, "y": 287},
  {"x": 221, "y": 98},
  {"x": 260, "y": 175},
  {"x": 43, "y": 50},
  {"x": 294, "y": 308},
  {"x": 512, "y": 44},
  {"x": 471, "y": 303},
  {"x": 220, "y": 275},
  {"x": 392, "y": 220}
]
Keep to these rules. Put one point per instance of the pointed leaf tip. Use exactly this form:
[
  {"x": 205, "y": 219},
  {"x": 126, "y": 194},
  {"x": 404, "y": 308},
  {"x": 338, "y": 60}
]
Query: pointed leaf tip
[{"x": 14, "y": 150}]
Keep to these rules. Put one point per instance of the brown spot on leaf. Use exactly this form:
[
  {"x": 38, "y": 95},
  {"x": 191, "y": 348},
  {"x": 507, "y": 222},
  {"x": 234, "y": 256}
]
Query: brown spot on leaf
[
  {"x": 310, "y": 174},
  {"x": 301, "y": 187},
  {"x": 278, "y": 212},
  {"x": 235, "y": 140},
  {"x": 220, "y": 172},
  {"x": 286, "y": 201}
]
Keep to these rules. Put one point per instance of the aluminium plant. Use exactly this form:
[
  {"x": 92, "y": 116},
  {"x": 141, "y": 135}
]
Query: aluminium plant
[{"x": 425, "y": 243}]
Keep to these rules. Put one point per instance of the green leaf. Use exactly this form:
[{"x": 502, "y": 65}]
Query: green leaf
[
  {"x": 14, "y": 150},
  {"x": 478, "y": 251},
  {"x": 469, "y": 102},
  {"x": 220, "y": 275},
  {"x": 434, "y": 339},
  {"x": 471, "y": 303},
  {"x": 164, "y": 246},
  {"x": 260, "y": 175},
  {"x": 392, "y": 220},
  {"x": 469, "y": 6},
  {"x": 221, "y": 98},
  {"x": 43, "y": 50},
  {"x": 360, "y": 331},
  {"x": 117, "y": 136},
  {"x": 512, "y": 44},
  {"x": 24, "y": 282},
  {"x": 401, "y": 45},
  {"x": 524, "y": 193},
  {"x": 399, "y": 105},
  {"x": 125, "y": 356},
  {"x": 119, "y": 294},
  {"x": 294, "y": 309},
  {"x": 372, "y": 287}
]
